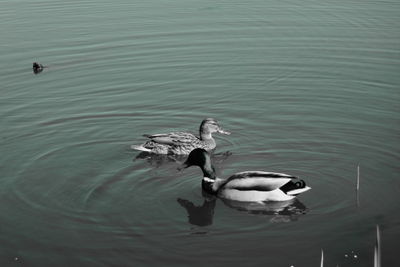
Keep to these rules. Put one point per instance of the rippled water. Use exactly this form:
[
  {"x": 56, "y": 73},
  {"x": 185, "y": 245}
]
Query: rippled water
[{"x": 309, "y": 88}]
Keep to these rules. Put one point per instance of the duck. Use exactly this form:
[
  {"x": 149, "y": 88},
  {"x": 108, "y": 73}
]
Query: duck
[
  {"x": 37, "y": 67},
  {"x": 182, "y": 143},
  {"x": 246, "y": 186}
]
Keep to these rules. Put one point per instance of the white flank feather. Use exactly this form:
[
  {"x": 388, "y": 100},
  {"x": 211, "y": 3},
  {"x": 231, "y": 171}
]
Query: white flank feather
[{"x": 141, "y": 148}]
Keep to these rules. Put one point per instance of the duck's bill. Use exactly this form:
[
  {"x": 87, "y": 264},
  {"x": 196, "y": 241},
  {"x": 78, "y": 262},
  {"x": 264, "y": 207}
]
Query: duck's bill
[
  {"x": 295, "y": 192},
  {"x": 183, "y": 166},
  {"x": 223, "y": 132}
]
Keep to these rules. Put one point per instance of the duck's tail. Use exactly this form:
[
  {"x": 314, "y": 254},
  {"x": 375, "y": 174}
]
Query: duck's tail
[
  {"x": 294, "y": 188},
  {"x": 140, "y": 148}
]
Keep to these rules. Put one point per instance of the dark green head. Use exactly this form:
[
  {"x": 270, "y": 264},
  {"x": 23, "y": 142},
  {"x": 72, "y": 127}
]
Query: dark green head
[
  {"x": 200, "y": 157},
  {"x": 197, "y": 157}
]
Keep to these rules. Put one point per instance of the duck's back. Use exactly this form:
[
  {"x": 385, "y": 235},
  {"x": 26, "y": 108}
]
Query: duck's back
[
  {"x": 257, "y": 180},
  {"x": 255, "y": 186},
  {"x": 178, "y": 143},
  {"x": 173, "y": 138}
]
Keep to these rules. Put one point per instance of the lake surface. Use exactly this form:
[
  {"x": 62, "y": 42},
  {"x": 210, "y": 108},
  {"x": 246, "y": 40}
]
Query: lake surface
[{"x": 309, "y": 88}]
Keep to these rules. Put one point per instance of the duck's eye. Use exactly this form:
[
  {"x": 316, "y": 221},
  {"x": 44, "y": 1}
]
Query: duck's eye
[{"x": 300, "y": 184}]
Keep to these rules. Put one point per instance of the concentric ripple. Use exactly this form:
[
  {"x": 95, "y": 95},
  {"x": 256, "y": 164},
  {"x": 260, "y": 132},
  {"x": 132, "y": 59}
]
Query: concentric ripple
[{"x": 308, "y": 88}]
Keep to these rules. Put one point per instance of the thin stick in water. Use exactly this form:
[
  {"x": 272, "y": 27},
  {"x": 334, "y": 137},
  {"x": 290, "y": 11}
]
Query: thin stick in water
[
  {"x": 358, "y": 177},
  {"x": 322, "y": 258},
  {"x": 377, "y": 250}
]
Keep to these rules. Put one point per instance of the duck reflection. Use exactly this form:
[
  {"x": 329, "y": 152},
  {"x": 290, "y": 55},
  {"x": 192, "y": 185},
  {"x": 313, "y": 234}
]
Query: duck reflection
[
  {"x": 283, "y": 211},
  {"x": 199, "y": 215},
  {"x": 157, "y": 160}
]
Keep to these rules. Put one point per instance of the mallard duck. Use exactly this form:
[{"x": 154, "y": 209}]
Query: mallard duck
[
  {"x": 181, "y": 143},
  {"x": 247, "y": 186},
  {"x": 37, "y": 67}
]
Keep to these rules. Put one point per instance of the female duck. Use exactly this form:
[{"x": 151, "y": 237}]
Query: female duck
[
  {"x": 248, "y": 186},
  {"x": 181, "y": 143}
]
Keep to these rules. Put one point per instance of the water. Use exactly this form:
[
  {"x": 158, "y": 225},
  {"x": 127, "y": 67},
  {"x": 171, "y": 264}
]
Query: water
[{"x": 308, "y": 88}]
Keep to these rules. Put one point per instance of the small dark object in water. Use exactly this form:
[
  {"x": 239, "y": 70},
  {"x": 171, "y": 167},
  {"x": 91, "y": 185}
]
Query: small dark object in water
[{"x": 37, "y": 67}]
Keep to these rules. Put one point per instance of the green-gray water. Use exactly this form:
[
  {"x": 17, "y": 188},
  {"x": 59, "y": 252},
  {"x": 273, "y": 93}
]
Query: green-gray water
[{"x": 309, "y": 88}]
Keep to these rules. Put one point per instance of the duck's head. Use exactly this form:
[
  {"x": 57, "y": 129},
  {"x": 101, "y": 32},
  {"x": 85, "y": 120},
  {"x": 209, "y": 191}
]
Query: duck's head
[
  {"x": 209, "y": 126},
  {"x": 197, "y": 157},
  {"x": 201, "y": 158}
]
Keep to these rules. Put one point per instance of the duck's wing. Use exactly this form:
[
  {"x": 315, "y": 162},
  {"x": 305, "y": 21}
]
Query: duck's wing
[
  {"x": 174, "y": 138},
  {"x": 257, "y": 180},
  {"x": 261, "y": 174}
]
